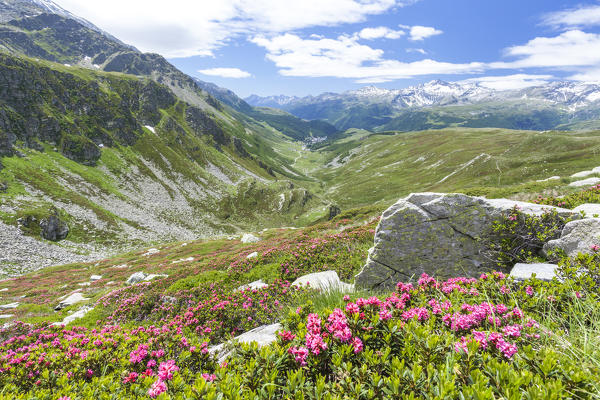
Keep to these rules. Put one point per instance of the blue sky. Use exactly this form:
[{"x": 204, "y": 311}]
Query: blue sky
[{"x": 269, "y": 47}]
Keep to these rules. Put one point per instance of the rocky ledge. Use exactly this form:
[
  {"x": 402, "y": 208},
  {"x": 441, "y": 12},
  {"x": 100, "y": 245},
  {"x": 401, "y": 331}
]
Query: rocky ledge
[{"x": 439, "y": 234}]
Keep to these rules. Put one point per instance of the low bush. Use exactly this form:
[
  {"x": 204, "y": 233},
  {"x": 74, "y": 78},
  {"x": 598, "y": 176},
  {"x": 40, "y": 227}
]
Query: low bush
[{"x": 481, "y": 338}]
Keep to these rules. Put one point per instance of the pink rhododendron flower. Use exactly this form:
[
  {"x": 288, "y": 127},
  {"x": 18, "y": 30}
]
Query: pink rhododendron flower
[
  {"x": 131, "y": 378},
  {"x": 352, "y": 308},
  {"x": 209, "y": 377},
  {"x": 357, "y": 344},
  {"x": 287, "y": 336},
  {"x": 299, "y": 353},
  {"x": 166, "y": 370},
  {"x": 157, "y": 388},
  {"x": 529, "y": 291}
]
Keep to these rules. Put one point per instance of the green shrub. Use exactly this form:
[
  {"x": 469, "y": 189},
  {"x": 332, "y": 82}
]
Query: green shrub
[{"x": 519, "y": 237}]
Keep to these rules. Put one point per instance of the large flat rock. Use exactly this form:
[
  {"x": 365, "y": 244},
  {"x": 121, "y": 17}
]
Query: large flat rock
[
  {"x": 591, "y": 210},
  {"x": 438, "y": 234}
]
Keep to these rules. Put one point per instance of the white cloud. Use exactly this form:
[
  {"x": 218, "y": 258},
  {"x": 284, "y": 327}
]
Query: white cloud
[
  {"x": 379, "y": 33},
  {"x": 569, "y": 50},
  {"x": 576, "y": 17},
  {"x": 226, "y": 72},
  {"x": 184, "y": 28},
  {"x": 510, "y": 82},
  {"x": 420, "y": 51},
  {"x": 418, "y": 32},
  {"x": 591, "y": 75},
  {"x": 344, "y": 57}
]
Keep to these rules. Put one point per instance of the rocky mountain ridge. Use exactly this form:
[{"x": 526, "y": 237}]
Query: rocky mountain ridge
[{"x": 556, "y": 105}]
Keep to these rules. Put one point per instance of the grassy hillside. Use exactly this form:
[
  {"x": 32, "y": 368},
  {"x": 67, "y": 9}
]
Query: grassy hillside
[
  {"x": 489, "y": 338},
  {"x": 125, "y": 162},
  {"x": 364, "y": 168}
]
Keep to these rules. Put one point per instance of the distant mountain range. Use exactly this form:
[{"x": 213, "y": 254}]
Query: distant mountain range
[{"x": 439, "y": 104}]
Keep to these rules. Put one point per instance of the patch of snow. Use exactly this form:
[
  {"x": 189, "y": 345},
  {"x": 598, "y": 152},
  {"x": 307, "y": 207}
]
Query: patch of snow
[{"x": 150, "y": 128}]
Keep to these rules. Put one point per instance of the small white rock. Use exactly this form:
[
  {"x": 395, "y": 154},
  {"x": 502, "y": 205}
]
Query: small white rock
[
  {"x": 582, "y": 174},
  {"x": 250, "y": 238},
  {"x": 154, "y": 276},
  {"x": 585, "y": 182},
  {"x": 552, "y": 178},
  {"x": 94, "y": 278},
  {"x": 136, "y": 278},
  {"x": 259, "y": 284},
  {"x": 252, "y": 255},
  {"x": 150, "y": 252},
  {"x": 544, "y": 272},
  {"x": 69, "y": 301},
  {"x": 6, "y": 316},
  {"x": 10, "y": 306}
]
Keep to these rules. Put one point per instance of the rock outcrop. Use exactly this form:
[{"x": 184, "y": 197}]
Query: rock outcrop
[
  {"x": 438, "y": 234},
  {"x": 577, "y": 237},
  {"x": 53, "y": 228},
  {"x": 69, "y": 301}
]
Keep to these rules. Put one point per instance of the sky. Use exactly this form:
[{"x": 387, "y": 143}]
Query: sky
[{"x": 307, "y": 47}]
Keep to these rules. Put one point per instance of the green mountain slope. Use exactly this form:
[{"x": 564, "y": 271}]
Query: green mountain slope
[
  {"x": 364, "y": 168},
  {"x": 126, "y": 162}
]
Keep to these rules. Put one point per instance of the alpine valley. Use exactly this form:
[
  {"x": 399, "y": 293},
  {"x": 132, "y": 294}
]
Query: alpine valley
[{"x": 152, "y": 222}]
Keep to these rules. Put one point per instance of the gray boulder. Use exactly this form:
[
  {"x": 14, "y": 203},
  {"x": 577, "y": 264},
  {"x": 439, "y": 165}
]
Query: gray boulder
[
  {"x": 590, "y": 210},
  {"x": 142, "y": 276},
  {"x": 325, "y": 281},
  {"x": 439, "y": 234},
  {"x": 70, "y": 300},
  {"x": 53, "y": 228},
  {"x": 544, "y": 272},
  {"x": 577, "y": 237},
  {"x": 250, "y": 238},
  {"x": 76, "y": 315},
  {"x": 136, "y": 278}
]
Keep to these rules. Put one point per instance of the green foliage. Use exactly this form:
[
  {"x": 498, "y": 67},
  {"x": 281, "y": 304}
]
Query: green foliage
[
  {"x": 194, "y": 281},
  {"x": 519, "y": 237},
  {"x": 572, "y": 200}
]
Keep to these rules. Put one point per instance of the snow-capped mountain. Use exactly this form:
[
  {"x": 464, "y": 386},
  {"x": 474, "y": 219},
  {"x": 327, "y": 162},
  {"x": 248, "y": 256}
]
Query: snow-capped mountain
[
  {"x": 437, "y": 92},
  {"x": 271, "y": 101},
  {"x": 466, "y": 103}
]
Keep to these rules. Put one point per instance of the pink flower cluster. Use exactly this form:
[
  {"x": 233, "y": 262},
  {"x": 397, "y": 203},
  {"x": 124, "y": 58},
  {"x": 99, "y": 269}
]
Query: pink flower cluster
[{"x": 165, "y": 373}]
